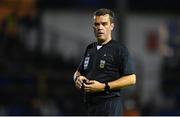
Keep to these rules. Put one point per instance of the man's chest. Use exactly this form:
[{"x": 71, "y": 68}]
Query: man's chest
[{"x": 101, "y": 59}]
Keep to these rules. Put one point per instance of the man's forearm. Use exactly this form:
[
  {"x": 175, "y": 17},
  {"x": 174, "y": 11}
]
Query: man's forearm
[
  {"x": 123, "y": 82},
  {"x": 76, "y": 74}
]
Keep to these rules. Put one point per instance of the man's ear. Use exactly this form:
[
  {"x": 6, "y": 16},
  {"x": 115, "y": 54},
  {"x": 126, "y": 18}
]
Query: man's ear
[{"x": 112, "y": 26}]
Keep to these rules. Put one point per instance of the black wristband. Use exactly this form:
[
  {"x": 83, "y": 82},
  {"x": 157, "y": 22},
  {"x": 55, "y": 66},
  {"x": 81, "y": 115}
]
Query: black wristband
[{"x": 107, "y": 87}]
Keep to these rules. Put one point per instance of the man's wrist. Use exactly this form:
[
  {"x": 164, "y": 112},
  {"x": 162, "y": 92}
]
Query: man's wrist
[
  {"x": 106, "y": 87},
  {"x": 75, "y": 79}
]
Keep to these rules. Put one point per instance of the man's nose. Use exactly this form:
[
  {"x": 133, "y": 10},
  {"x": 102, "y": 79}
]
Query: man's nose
[{"x": 100, "y": 26}]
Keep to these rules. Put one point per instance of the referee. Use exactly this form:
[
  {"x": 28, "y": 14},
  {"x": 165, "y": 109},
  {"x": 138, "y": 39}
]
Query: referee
[{"x": 105, "y": 69}]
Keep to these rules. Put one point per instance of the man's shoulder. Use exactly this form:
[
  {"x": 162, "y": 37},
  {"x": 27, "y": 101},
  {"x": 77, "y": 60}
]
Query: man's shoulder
[
  {"x": 118, "y": 44},
  {"x": 91, "y": 45}
]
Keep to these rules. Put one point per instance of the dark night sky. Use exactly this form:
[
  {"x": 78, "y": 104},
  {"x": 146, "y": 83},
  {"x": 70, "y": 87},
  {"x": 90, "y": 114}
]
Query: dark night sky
[{"x": 152, "y": 6}]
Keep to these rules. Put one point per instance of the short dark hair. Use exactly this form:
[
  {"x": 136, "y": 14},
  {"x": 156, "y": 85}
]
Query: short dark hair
[{"x": 104, "y": 11}]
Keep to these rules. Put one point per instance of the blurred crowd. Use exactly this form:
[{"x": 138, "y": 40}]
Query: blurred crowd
[{"x": 30, "y": 83}]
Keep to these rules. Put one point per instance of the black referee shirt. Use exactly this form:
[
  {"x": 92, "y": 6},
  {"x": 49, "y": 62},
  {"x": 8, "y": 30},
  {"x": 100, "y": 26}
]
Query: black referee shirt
[{"x": 109, "y": 63}]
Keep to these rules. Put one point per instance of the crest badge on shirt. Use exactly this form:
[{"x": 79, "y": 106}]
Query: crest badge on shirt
[
  {"x": 102, "y": 63},
  {"x": 86, "y": 62}
]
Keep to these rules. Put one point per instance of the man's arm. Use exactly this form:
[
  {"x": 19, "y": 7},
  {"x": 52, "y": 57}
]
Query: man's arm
[
  {"x": 78, "y": 79},
  {"x": 76, "y": 74},
  {"x": 125, "y": 81}
]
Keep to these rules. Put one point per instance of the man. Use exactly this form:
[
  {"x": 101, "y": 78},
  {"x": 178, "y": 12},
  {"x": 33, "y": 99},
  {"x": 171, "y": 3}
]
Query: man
[{"x": 105, "y": 69}]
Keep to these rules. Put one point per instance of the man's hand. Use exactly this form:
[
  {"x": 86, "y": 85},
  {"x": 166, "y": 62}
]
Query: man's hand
[
  {"x": 79, "y": 81},
  {"x": 93, "y": 86}
]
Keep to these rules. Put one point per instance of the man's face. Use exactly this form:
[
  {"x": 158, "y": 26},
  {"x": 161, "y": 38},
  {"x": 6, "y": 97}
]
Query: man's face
[{"x": 103, "y": 27}]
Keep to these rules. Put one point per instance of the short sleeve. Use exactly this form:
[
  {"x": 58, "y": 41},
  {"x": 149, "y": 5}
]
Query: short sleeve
[
  {"x": 80, "y": 67},
  {"x": 127, "y": 64}
]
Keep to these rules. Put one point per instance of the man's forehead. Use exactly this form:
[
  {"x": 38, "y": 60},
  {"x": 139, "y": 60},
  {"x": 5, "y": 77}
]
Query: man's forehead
[{"x": 102, "y": 17}]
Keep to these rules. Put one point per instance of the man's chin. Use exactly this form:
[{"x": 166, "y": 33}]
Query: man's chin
[{"x": 101, "y": 40}]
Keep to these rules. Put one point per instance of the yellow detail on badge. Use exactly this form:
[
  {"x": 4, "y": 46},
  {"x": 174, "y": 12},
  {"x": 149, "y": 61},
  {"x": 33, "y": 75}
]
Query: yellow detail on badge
[{"x": 102, "y": 63}]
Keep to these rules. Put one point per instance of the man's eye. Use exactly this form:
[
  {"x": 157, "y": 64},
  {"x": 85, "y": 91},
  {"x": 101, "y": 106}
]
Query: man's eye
[
  {"x": 96, "y": 24},
  {"x": 104, "y": 24}
]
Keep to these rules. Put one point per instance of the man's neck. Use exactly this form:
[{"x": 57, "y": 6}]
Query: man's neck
[{"x": 105, "y": 42}]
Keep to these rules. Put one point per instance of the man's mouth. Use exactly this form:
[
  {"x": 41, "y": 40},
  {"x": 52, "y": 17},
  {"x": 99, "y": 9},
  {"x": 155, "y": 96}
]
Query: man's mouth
[{"x": 100, "y": 33}]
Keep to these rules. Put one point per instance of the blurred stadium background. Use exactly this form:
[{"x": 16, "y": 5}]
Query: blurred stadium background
[{"x": 42, "y": 41}]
